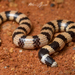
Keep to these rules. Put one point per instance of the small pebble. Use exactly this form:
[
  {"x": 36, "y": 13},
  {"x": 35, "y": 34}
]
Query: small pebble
[
  {"x": 28, "y": 65},
  {"x": 41, "y": 3},
  {"x": 52, "y": 5},
  {"x": 5, "y": 66},
  {"x": 13, "y": 69},
  {"x": 20, "y": 50},
  {"x": 5, "y": 49},
  {"x": 8, "y": 66},
  {"x": 1, "y": 60},
  {"x": 11, "y": 50},
  {"x": 30, "y": 4}
]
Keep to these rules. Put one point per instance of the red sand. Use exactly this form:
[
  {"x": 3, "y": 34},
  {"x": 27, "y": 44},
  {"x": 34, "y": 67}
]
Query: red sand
[{"x": 17, "y": 61}]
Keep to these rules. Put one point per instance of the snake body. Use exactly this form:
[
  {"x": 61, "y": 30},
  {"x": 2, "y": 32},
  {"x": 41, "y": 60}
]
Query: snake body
[{"x": 41, "y": 40}]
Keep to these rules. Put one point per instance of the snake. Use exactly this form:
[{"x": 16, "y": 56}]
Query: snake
[{"x": 41, "y": 40}]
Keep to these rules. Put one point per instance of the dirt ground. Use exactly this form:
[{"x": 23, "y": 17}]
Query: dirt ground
[{"x": 18, "y": 61}]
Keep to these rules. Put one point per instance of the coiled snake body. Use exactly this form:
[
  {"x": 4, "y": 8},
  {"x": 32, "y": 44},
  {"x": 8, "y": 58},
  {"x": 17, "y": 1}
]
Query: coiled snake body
[{"x": 41, "y": 40}]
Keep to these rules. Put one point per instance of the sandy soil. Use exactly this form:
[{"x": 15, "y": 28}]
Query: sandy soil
[{"x": 18, "y": 61}]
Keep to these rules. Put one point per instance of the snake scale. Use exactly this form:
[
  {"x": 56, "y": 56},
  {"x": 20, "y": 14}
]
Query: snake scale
[{"x": 41, "y": 40}]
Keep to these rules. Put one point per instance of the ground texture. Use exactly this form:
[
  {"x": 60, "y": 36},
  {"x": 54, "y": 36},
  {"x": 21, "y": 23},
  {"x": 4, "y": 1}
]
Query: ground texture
[{"x": 18, "y": 61}]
